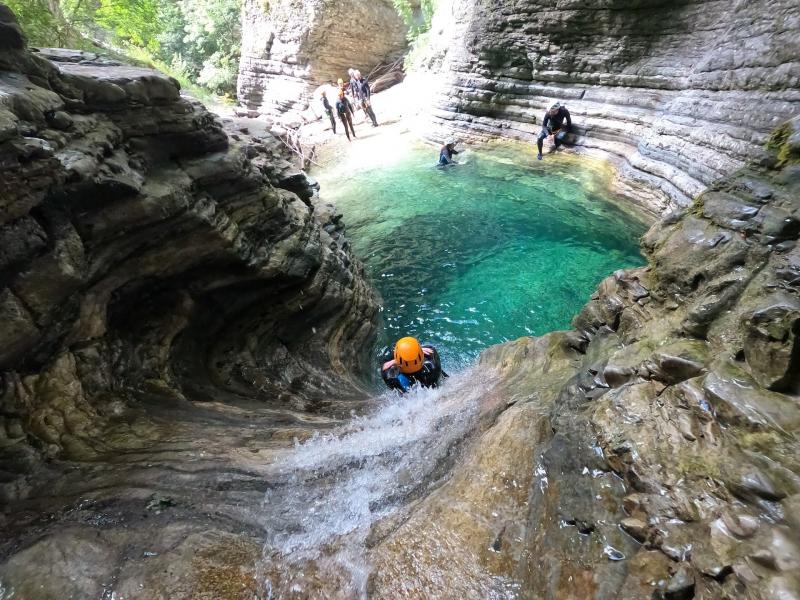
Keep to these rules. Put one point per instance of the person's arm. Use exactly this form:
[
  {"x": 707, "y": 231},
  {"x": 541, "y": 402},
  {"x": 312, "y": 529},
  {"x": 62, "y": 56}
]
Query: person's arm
[
  {"x": 393, "y": 378},
  {"x": 546, "y": 120},
  {"x": 569, "y": 119}
]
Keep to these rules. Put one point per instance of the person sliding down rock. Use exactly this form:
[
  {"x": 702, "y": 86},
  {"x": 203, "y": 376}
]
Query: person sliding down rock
[
  {"x": 412, "y": 363},
  {"x": 553, "y": 124},
  {"x": 345, "y": 111},
  {"x": 328, "y": 110},
  {"x": 446, "y": 153}
]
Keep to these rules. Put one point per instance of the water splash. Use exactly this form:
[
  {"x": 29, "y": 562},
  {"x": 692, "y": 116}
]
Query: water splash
[{"x": 327, "y": 493}]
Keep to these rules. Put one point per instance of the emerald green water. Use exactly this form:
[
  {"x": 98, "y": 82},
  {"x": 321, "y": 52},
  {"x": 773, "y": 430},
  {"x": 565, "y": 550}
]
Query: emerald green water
[{"x": 497, "y": 247}]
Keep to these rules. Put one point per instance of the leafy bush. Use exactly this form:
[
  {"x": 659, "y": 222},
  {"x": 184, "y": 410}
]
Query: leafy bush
[
  {"x": 42, "y": 25},
  {"x": 194, "y": 40},
  {"x": 418, "y": 20}
]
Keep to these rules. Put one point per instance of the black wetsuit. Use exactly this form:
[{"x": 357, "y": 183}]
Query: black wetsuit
[
  {"x": 555, "y": 124},
  {"x": 345, "y": 110},
  {"x": 329, "y": 111},
  {"x": 427, "y": 376},
  {"x": 363, "y": 93},
  {"x": 446, "y": 154}
]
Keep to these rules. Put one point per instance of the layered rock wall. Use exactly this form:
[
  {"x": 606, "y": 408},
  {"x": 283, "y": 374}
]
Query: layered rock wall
[
  {"x": 678, "y": 94},
  {"x": 147, "y": 252},
  {"x": 290, "y": 47},
  {"x": 652, "y": 451}
]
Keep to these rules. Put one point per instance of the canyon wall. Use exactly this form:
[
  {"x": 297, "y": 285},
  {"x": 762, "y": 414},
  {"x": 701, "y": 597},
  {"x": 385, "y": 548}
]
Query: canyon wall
[
  {"x": 174, "y": 299},
  {"x": 290, "y": 47},
  {"x": 653, "y": 451},
  {"x": 147, "y": 251},
  {"x": 677, "y": 94}
]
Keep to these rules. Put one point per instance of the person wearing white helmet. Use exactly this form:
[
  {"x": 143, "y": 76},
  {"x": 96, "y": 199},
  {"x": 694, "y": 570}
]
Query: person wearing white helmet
[{"x": 554, "y": 124}]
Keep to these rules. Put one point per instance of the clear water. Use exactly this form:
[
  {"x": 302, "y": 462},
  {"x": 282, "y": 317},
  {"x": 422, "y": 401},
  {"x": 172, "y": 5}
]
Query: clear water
[
  {"x": 492, "y": 249},
  {"x": 497, "y": 247}
]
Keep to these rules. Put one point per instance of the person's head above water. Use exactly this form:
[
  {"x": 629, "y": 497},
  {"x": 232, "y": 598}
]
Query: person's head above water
[{"x": 408, "y": 355}]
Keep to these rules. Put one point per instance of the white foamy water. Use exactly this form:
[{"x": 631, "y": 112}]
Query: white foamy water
[{"x": 327, "y": 492}]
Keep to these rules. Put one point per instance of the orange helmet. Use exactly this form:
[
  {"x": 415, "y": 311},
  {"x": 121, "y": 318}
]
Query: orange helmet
[{"x": 408, "y": 354}]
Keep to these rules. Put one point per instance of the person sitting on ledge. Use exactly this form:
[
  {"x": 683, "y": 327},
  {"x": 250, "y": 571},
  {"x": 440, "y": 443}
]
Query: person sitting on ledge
[
  {"x": 446, "y": 153},
  {"x": 412, "y": 363},
  {"x": 553, "y": 124}
]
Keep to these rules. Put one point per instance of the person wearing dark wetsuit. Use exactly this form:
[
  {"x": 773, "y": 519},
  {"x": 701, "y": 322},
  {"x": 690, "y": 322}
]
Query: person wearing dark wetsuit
[
  {"x": 364, "y": 94},
  {"x": 352, "y": 85},
  {"x": 345, "y": 111},
  {"x": 446, "y": 153},
  {"x": 328, "y": 110},
  {"x": 412, "y": 364},
  {"x": 553, "y": 124}
]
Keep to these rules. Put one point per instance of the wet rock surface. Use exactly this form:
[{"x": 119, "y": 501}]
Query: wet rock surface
[
  {"x": 648, "y": 453},
  {"x": 157, "y": 272},
  {"x": 177, "y": 309},
  {"x": 676, "y": 94}
]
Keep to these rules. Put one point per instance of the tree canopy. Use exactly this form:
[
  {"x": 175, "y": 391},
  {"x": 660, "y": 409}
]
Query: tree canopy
[{"x": 195, "y": 40}]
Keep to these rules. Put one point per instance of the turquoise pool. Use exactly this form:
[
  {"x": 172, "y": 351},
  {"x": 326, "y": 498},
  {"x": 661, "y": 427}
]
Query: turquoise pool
[{"x": 497, "y": 247}]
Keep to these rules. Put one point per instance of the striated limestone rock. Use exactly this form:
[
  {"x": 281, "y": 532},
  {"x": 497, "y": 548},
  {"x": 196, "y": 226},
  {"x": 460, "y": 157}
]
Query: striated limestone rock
[
  {"x": 677, "y": 94},
  {"x": 171, "y": 293},
  {"x": 291, "y": 47},
  {"x": 652, "y": 452}
]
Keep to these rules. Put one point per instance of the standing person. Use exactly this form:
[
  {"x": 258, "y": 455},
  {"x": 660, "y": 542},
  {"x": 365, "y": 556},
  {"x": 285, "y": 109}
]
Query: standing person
[
  {"x": 553, "y": 124},
  {"x": 352, "y": 85},
  {"x": 328, "y": 110},
  {"x": 446, "y": 153},
  {"x": 364, "y": 96},
  {"x": 345, "y": 111},
  {"x": 343, "y": 90},
  {"x": 412, "y": 363}
]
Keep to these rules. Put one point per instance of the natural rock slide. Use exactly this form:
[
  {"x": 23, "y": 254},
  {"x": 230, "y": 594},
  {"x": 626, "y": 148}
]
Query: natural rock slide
[{"x": 177, "y": 306}]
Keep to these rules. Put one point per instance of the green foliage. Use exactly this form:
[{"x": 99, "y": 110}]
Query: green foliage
[
  {"x": 778, "y": 143},
  {"x": 209, "y": 45},
  {"x": 42, "y": 26},
  {"x": 418, "y": 20},
  {"x": 196, "y": 41},
  {"x": 131, "y": 21}
]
